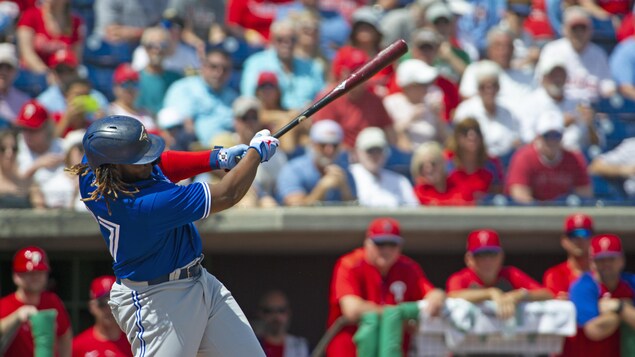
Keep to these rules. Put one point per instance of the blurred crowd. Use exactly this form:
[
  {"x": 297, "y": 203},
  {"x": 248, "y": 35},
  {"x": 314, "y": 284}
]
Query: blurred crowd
[{"x": 497, "y": 102}]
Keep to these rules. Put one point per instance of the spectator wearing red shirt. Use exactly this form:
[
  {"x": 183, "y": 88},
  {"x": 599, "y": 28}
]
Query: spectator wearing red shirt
[
  {"x": 274, "y": 317},
  {"x": 46, "y": 29},
  {"x": 543, "y": 170},
  {"x": 254, "y": 17},
  {"x": 431, "y": 183},
  {"x": 370, "y": 277},
  {"x": 485, "y": 277},
  {"x": 104, "y": 338},
  {"x": 358, "y": 108},
  {"x": 30, "y": 275},
  {"x": 578, "y": 229},
  {"x": 603, "y": 298}
]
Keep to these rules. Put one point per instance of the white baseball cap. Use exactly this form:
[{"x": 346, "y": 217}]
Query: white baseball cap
[
  {"x": 326, "y": 132},
  {"x": 244, "y": 104},
  {"x": 8, "y": 54},
  {"x": 548, "y": 63},
  {"x": 414, "y": 71},
  {"x": 550, "y": 121},
  {"x": 169, "y": 117},
  {"x": 486, "y": 69},
  {"x": 371, "y": 137}
]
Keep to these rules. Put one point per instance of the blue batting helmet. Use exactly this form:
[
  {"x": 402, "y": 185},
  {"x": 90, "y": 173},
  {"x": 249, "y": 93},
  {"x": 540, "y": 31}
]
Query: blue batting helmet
[{"x": 119, "y": 139}]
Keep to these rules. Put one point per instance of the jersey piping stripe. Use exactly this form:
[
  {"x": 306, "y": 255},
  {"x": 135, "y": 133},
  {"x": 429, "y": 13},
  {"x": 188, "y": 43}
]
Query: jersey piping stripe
[
  {"x": 142, "y": 342},
  {"x": 113, "y": 237},
  {"x": 208, "y": 200}
]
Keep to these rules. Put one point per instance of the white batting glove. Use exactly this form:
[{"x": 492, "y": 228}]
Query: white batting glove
[{"x": 264, "y": 144}]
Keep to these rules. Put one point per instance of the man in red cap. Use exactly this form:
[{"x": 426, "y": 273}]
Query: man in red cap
[
  {"x": 30, "y": 275},
  {"x": 578, "y": 229},
  {"x": 104, "y": 338},
  {"x": 126, "y": 89},
  {"x": 370, "y": 277},
  {"x": 603, "y": 299},
  {"x": 485, "y": 277}
]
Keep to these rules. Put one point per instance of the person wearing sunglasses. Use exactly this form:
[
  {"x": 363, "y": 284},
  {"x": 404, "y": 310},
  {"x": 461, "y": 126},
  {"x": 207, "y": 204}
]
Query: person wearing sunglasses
[
  {"x": 126, "y": 89},
  {"x": 373, "y": 276},
  {"x": 274, "y": 320},
  {"x": 543, "y": 170}
]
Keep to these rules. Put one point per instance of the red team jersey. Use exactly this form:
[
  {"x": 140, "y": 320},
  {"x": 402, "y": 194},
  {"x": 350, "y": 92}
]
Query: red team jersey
[
  {"x": 23, "y": 343},
  {"x": 86, "y": 344},
  {"x": 509, "y": 278},
  {"x": 354, "y": 276},
  {"x": 559, "y": 278},
  {"x": 253, "y": 14}
]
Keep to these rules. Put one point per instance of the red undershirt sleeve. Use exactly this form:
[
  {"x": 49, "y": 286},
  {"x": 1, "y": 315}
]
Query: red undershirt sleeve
[{"x": 180, "y": 165}]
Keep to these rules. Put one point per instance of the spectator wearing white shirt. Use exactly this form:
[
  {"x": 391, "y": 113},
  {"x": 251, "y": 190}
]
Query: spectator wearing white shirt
[
  {"x": 618, "y": 163},
  {"x": 501, "y": 128},
  {"x": 376, "y": 186},
  {"x": 587, "y": 63}
]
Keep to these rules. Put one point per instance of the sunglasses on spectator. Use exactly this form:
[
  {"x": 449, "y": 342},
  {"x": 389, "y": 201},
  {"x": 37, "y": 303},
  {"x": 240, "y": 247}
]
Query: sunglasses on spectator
[
  {"x": 283, "y": 39},
  {"x": 579, "y": 27},
  {"x": 217, "y": 67},
  {"x": 129, "y": 85},
  {"x": 157, "y": 45},
  {"x": 486, "y": 86},
  {"x": 375, "y": 151},
  {"x": 267, "y": 310},
  {"x": 386, "y": 244},
  {"x": 465, "y": 131},
  {"x": 552, "y": 135},
  {"x": 3, "y": 149},
  {"x": 427, "y": 47},
  {"x": 441, "y": 21},
  {"x": 251, "y": 115},
  {"x": 487, "y": 254},
  {"x": 324, "y": 145},
  {"x": 6, "y": 67}
]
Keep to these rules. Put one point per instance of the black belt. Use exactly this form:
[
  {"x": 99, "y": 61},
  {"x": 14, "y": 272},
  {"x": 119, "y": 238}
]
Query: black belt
[{"x": 184, "y": 273}]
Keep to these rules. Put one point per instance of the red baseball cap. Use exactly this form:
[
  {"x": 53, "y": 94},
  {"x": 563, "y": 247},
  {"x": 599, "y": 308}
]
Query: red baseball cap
[
  {"x": 578, "y": 225},
  {"x": 606, "y": 245},
  {"x": 384, "y": 230},
  {"x": 63, "y": 57},
  {"x": 101, "y": 286},
  {"x": 32, "y": 115},
  {"x": 483, "y": 240},
  {"x": 267, "y": 78},
  {"x": 125, "y": 73},
  {"x": 349, "y": 58},
  {"x": 30, "y": 259}
]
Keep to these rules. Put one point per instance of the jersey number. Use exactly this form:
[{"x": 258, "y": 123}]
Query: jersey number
[{"x": 113, "y": 237}]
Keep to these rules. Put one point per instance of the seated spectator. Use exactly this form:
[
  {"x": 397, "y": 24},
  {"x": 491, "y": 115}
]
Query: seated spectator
[
  {"x": 468, "y": 162},
  {"x": 15, "y": 191},
  {"x": 64, "y": 69},
  {"x": 317, "y": 176},
  {"x": 622, "y": 65},
  {"x": 206, "y": 98},
  {"x": 11, "y": 99},
  {"x": 451, "y": 56},
  {"x": 252, "y": 20},
  {"x": 579, "y": 123},
  {"x": 474, "y": 25},
  {"x": 104, "y": 336},
  {"x": 578, "y": 230},
  {"x": 526, "y": 49},
  {"x": 377, "y": 186},
  {"x": 177, "y": 130},
  {"x": 359, "y": 107},
  {"x": 587, "y": 64},
  {"x": 499, "y": 126},
  {"x": 543, "y": 170},
  {"x": 430, "y": 177},
  {"x": 46, "y": 29},
  {"x": 415, "y": 110},
  {"x": 126, "y": 89},
  {"x": 307, "y": 31},
  {"x": 62, "y": 189},
  {"x": 123, "y": 21},
  {"x": 603, "y": 301},
  {"x": 300, "y": 80},
  {"x": 401, "y": 23},
  {"x": 154, "y": 78},
  {"x": 200, "y": 20},
  {"x": 81, "y": 107},
  {"x": 485, "y": 277},
  {"x": 274, "y": 320},
  {"x": 515, "y": 84},
  {"x": 618, "y": 163}
]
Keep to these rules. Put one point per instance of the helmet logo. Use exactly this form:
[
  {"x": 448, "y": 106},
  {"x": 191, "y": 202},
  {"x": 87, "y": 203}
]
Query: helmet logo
[{"x": 144, "y": 134}]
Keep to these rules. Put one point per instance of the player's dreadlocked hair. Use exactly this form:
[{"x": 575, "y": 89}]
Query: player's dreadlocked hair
[{"x": 107, "y": 180}]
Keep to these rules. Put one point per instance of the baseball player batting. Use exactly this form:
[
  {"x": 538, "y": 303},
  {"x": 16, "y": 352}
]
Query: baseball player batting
[{"x": 163, "y": 299}]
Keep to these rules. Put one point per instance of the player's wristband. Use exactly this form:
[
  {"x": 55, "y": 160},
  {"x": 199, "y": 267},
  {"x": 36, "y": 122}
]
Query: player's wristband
[{"x": 214, "y": 162}]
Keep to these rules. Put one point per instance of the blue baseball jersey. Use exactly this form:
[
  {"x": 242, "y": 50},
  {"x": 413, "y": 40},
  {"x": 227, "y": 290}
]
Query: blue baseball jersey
[
  {"x": 151, "y": 233},
  {"x": 586, "y": 292}
]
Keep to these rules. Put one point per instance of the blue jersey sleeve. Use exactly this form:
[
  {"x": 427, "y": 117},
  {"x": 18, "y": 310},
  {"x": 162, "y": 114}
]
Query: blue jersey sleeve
[
  {"x": 176, "y": 205},
  {"x": 585, "y": 294}
]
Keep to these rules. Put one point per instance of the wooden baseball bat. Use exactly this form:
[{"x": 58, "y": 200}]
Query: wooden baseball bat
[{"x": 383, "y": 59}]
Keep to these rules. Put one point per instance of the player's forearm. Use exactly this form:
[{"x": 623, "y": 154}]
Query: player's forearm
[
  {"x": 538, "y": 295},
  {"x": 602, "y": 326},
  {"x": 353, "y": 307},
  {"x": 628, "y": 314},
  {"x": 521, "y": 194},
  {"x": 236, "y": 183},
  {"x": 9, "y": 323},
  {"x": 628, "y": 91},
  {"x": 601, "y": 168},
  {"x": 64, "y": 344},
  {"x": 472, "y": 295}
]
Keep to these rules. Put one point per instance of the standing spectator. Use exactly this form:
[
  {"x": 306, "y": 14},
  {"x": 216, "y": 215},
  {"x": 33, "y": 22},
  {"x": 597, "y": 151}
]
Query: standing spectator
[
  {"x": 579, "y": 131},
  {"x": 154, "y": 79},
  {"x": 15, "y": 191},
  {"x": 359, "y": 107},
  {"x": 377, "y": 186},
  {"x": 587, "y": 64},
  {"x": 206, "y": 99},
  {"x": 64, "y": 66},
  {"x": 485, "y": 277},
  {"x": 123, "y": 21},
  {"x": 603, "y": 300},
  {"x": 46, "y": 29},
  {"x": 622, "y": 65},
  {"x": 126, "y": 89},
  {"x": 318, "y": 176},
  {"x": 104, "y": 337},
  {"x": 499, "y": 126},
  {"x": 618, "y": 163},
  {"x": 274, "y": 315},
  {"x": 30, "y": 275},
  {"x": 543, "y": 170},
  {"x": 300, "y": 80},
  {"x": 375, "y": 275},
  {"x": 11, "y": 99},
  {"x": 468, "y": 163},
  {"x": 252, "y": 19},
  {"x": 415, "y": 110},
  {"x": 578, "y": 230}
]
